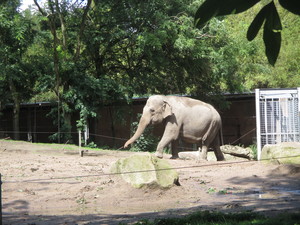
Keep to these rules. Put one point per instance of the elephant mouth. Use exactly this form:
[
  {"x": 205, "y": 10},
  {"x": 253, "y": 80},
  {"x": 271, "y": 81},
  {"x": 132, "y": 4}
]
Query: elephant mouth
[{"x": 154, "y": 122}]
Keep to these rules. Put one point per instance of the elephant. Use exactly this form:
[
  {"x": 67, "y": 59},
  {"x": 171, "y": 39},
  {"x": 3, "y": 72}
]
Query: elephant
[{"x": 191, "y": 120}]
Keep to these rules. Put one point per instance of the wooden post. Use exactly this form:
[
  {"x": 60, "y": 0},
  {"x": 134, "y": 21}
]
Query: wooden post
[{"x": 79, "y": 140}]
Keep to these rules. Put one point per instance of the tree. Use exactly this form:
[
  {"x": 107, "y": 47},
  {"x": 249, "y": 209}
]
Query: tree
[
  {"x": 16, "y": 35},
  {"x": 253, "y": 70},
  {"x": 152, "y": 47},
  {"x": 268, "y": 16},
  {"x": 66, "y": 52}
]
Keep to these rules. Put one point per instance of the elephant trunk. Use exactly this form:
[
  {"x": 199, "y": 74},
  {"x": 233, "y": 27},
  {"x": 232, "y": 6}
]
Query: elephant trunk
[{"x": 141, "y": 127}]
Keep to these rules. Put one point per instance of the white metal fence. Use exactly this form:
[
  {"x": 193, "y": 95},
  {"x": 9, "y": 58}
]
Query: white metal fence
[{"x": 277, "y": 116}]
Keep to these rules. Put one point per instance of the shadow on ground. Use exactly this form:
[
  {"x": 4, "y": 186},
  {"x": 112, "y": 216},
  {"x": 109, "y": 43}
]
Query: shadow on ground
[{"x": 267, "y": 206}]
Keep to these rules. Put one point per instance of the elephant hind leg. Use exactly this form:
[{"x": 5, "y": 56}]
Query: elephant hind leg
[
  {"x": 202, "y": 153},
  {"x": 216, "y": 146},
  {"x": 219, "y": 154}
]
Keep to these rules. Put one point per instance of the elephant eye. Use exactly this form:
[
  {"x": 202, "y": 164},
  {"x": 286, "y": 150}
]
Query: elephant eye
[{"x": 152, "y": 110}]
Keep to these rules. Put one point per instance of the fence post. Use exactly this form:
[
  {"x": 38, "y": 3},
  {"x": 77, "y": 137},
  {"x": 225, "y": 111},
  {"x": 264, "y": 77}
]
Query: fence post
[
  {"x": 0, "y": 200},
  {"x": 79, "y": 144},
  {"x": 258, "y": 129}
]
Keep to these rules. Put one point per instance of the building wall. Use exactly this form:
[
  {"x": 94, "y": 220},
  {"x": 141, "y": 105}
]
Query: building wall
[
  {"x": 35, "y": 124},
  {"x": 239, "y": 122}
]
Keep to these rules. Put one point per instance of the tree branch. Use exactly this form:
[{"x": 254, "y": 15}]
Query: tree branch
[
  {"x": 40, "y": 9},
  {"x": 82, "y": 27}
]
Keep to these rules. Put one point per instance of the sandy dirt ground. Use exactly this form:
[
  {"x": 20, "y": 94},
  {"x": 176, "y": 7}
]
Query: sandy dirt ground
[{"x": 46, "y": 185}]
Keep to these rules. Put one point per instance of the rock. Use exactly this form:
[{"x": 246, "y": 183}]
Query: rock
[
  {"x": 230, "y": 152},
  {"x": 237, "y": 151},
  {"x": 283, "y": 153},
  {"x": 159, "y": 173},
  {"x": 188, "y": 155},
  {"x": 210, "y": 156}
]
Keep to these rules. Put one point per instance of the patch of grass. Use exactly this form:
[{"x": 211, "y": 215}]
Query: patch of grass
[
  {"x": 254, "y": 150},
  {"x": 56, "y": 146},
  {"x": 81, "y": 201},
  {"x": 218, "y": 218},
  {"x": 211, "y": 190}
]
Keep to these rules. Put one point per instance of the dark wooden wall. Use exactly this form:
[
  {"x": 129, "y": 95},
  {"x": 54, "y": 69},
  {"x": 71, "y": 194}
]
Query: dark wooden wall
[{"x": 113, "y": 125}]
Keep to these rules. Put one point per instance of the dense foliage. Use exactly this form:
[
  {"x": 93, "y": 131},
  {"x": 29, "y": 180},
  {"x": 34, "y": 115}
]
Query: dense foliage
[
  {"x": 86, "y": 54},
  {"x": 267, "y": 16}
]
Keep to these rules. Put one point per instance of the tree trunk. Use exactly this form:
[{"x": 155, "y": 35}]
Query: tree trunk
[
  {"x": 112, "y": 126},
  {"x": 16, "y": 110}
]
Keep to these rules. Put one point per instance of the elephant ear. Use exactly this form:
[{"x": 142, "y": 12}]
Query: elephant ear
[{"x": 167, "y": 110}]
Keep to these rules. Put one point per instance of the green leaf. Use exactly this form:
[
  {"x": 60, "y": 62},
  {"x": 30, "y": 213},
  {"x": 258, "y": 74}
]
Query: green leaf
[
  {"x": 205, "y": 12},
  {"x": 211, "y": 8},
  {"x": 273, "y": 18},
  {"x": 272, "y": 33},
  {"x": 291, "y": 5},
  {"x": 256, "y": 24}
]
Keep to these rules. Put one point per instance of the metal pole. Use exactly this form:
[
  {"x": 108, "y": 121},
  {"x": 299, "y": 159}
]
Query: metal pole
[
  {"x": 258, "y": 130},
  {"x": 0, "y": 200}
]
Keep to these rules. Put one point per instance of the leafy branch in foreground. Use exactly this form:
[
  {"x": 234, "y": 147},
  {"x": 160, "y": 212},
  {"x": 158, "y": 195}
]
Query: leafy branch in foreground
[{"x": 268, "y": 16}]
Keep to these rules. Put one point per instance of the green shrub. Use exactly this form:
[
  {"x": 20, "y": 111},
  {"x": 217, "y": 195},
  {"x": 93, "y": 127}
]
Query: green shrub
[
  {"x": 91, "y": 145},
  {"x": 147, "y": 141},
  {"x": 254, "y": 150}
]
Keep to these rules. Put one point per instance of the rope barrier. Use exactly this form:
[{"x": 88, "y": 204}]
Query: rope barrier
[
  {"x": 243, "y": 136},
  {"x": 48, "y": 132},
  {"x": 145, "y": 171},
  {"x": 104, "y": 136}
]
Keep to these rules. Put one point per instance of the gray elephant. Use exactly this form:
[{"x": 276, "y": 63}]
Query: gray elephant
[{"x": 191, "y": 120}]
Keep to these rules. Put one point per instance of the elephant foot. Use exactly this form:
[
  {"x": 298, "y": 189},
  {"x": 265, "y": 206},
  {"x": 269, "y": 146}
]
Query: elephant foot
[
  {"x": 221, "y": 159},
  {"x": 174, "y": 157},
  {"x": 201, "y": 160},
  {"x": 158, "y": 155}
]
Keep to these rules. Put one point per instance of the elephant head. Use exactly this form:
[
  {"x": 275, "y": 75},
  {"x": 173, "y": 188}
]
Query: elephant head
[{"x": 154, "y": 112}]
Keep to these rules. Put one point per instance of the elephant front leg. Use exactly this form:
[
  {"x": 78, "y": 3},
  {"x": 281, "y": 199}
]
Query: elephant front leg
[
  {"x": 159, "y": 149},
  {"x": 161, "y": 145},
  {"x": 174, "y": 149},
  {"x": 170, "y": 135}
]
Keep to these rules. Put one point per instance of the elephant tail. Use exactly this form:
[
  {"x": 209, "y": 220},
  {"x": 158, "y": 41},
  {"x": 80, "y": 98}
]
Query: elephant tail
[{"x": 221, "y": 135}]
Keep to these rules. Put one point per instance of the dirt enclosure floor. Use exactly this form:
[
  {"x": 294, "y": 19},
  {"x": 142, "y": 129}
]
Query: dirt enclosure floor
[{"x": 44, "y": 184}]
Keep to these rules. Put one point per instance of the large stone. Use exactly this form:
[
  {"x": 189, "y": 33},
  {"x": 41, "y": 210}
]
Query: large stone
[
  {"x": 283, "y": 153},
  {"x": 186, "y": 155},
  {"x": 146, "y": 170},
  {"x": 231, "y": 152},
  {"x": 237, "y": 151}
]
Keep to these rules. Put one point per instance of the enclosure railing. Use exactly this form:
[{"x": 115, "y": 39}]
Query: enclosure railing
[{"x": 277, "y": 116}]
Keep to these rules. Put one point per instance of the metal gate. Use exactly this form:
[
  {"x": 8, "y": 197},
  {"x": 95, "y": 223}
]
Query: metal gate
[{"x": 277, "y": 116}]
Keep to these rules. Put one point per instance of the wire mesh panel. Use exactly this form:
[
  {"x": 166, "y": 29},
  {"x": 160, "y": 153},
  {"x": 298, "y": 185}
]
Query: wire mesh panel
[{"x": 277, "y": 116}]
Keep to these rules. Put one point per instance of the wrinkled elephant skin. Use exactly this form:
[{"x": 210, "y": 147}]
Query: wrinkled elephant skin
[{"x": 191, "y": 120}]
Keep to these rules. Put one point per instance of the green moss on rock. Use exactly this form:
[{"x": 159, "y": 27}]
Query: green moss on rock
[
  {"x": 146, "y": 170},
  {"x": 283, "y": 153}
]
